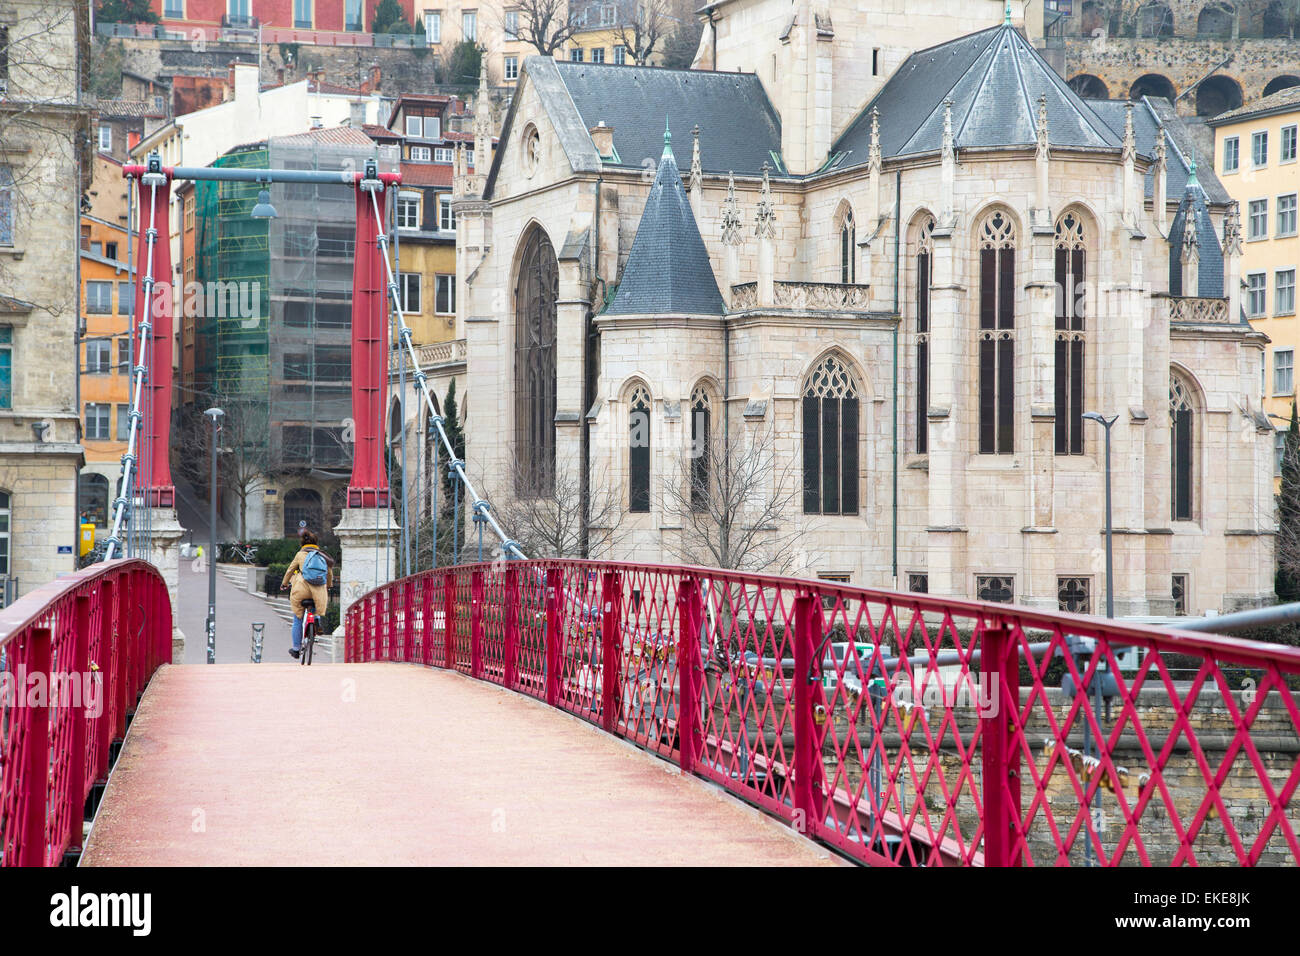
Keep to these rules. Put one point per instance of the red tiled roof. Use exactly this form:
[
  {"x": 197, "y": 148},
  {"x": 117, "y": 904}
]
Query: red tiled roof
[
  {"x": 426, "y": 174},
  {"x": 334, "y": 135}
]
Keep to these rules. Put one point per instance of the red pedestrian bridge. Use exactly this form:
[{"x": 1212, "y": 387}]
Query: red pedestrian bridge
[{"x": 585, "y": 712}]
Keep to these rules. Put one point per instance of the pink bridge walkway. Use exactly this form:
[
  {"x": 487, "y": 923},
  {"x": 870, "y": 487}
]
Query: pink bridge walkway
[{"x": 382, "y": 763}]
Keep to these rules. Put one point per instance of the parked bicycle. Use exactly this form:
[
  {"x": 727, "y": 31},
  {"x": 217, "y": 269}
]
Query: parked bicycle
[{"x": 241, "y": 553}]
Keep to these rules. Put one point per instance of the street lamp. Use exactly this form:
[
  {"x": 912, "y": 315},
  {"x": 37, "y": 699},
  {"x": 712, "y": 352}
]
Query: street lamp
[
  {"x": 1110, "y": 556},
  {"x": 215, "y": 414}
]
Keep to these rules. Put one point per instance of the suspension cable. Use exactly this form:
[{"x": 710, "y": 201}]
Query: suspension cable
[
  {"x": 153, "y": 179},
  {"x": 480, "y": 505}
]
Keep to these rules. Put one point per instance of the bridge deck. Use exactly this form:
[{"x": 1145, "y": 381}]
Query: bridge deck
[{"x": 242, "y": 764}]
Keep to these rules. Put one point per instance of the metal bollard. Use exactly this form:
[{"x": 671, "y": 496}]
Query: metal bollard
[{"x": 255, "y": 656}]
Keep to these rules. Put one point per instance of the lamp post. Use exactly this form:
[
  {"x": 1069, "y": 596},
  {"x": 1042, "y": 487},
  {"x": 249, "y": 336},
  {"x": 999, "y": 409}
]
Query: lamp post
[
  {"x": 1110, "y": 555},
  {"x": 215, "y": 414}
]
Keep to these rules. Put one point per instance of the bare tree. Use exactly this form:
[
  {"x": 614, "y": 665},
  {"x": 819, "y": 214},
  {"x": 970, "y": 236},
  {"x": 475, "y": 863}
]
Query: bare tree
[
  {"x": 243, "y": 453},
  {"x": 646, "y": 30},
  {"x": 546, "y": 24},
  {"x": 553, "y": 525},
  {"x": 735, "y": 502}
]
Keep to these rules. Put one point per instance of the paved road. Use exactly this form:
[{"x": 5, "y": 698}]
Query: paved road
[
  {"x": 236, "y": 611},
  {"x": 401, "y": 765}
]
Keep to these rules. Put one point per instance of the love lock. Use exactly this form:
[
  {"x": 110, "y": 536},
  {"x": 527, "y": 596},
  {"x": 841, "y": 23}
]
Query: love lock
[{"x": 819, "y": 715}]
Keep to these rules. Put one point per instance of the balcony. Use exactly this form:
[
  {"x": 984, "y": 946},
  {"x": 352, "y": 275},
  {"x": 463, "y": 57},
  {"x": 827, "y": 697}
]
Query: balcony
[
  {"x": 805, "y": 296},
  {"x": 432, "y": 356},
  {"x": 1198, "y": 311}
]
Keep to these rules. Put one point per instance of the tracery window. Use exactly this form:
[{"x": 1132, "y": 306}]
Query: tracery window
[
  {"x": 1182, "y": 468},
  {"x": 830, "y": 439},
  {"x": 536, "y": 291},
  {"x": 1071, "y": 263},
  {"x": 848, "y": 249},
  {"x": 638, "y": 450},
  {"x": 924, "y": 278},
  {"x": 997, "y": 342},
  {"x": 701, "y": 436}
]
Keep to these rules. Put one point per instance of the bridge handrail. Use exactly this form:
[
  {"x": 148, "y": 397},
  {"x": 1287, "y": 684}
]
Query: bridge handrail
[
  {"x": 75, "y": 654},
  {"x": 1144, "y": 766}
]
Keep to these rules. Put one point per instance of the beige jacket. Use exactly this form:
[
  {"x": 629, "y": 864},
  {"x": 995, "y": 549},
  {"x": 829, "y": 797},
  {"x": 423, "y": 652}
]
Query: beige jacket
[{"x": 301, "y": 590}]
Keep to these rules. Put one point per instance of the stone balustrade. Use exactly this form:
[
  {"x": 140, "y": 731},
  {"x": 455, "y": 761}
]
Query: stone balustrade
[{"x": 813, "y": 296}]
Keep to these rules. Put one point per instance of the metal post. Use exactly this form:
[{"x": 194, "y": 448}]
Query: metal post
[
  {"x": 79, "y": 675},
  {"x": 455, "y": 515},
  {"x": 449, "y": 620},
  {"x": 554, "y": 639},
  {"x": 1106, "y": 423},
  {"x": 1000, "y": 770},
  {"x": 611, "y": 647},
  {"x": 476, "y": 625},
  {"x": 106, "y": 677},
  {"x": 510, "y": 628},
  {"x": 689, "y": 669},
  {"x": 807, "y": 748},
  {"x": 34, "y": 771},
  {"x": 215, "y": 414}
]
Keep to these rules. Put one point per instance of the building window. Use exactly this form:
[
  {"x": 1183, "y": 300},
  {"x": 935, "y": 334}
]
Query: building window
[
  {"x": 92, "y": 498},
  {"x": 1283, "y": 372},
  {"x": 924, "y": 260},
  {"x": 598, "y": 54},
  {"x": 433, "y": 26},
  {"x": 875, "y": 61},
  {"x": 997, "y": 345},
  {"x": 105, "y": 138},
  {"x": 1257, "y": 219},
  {"x": 410, "y": 286},
  {"x": 5, "y": 507},
  {"x": 1181, "y": 425},
  {"x": 1178, "y": 591},
  {"x": 995, "y": 588},
  {"x": 6, "y": 366},
  {"x": 123, "y": 422},
  {"x": 701, "y": 434},
  {"x": 96, "y": 421},
  {"x": 6, "y": 206},
  {"x": 1074, "y": 595},
  {"x": 1284, "y": 292},
  {"x": 444, "y": 295},
  {"x": 446, "y": 215},
  {"x": 126, "y": 298},
  {"x": 174, "y": 10},
  {"x": 848, "y": 248},
  {"x": 620, "y": 55},
  {"x": 414, "y": 125},
  {"x": 834, "y": 577},
  {"x": 830, "y": 440},
  {"x": 99, "y": 297},
  {"x": 99, "y": 356},
  {"x": 189, "y": 213},
  {"x": 512, "y": 24},
  {"x": 124, "y": 353},
  {"x": 408, "y": 211},
  {"x": 1231, "y": 154},
  {"x": 469, "y": 25},
  {"x": 1279, "y": 452},
  {"x": 1255, "y": 294},
  {"x": 302, "y": 18},
  {"x": 638, "y": 450},
  {"x": 536, "y": 294},
  {"x": 110, "y": 251},
  {"x": 575, "y": 55},
  {"x": 1070, "y": 279},
  {"x": 421, "y": 154},
  {"x": 1286, "y": 215},
  {"x": 511, "y": 69},
  {"x": 441, "y": 154},
  {"x": 918, "y": 583},
  {"x": 1288, "y": 147},
  {"x": 1259, "y": 148},
  {"x": 352, "y": 15}
]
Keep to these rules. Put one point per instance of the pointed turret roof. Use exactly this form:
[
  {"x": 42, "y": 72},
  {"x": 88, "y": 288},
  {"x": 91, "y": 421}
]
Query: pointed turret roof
[
  {"x": 668, "y": 270},
  {"x": 1194, "y": 215},
  {"x": 994, "y": 79}
]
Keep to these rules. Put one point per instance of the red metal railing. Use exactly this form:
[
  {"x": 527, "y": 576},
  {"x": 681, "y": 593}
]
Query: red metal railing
[
  {"x": 900, "y": 729},
  {"x": 75, "y": 655}
]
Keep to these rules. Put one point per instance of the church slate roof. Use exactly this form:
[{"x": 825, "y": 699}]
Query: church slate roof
[
  {"x": 739, "y": 128},
  {"x": 1193, "y": 213},
  {"x": 994, "y": 78},
  {"x": 668, "y": 270}
]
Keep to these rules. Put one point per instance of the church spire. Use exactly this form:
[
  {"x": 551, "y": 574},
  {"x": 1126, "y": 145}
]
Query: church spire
[
  {"x": 1006, "y": 16},
  {"x": 668, "y": 141}
]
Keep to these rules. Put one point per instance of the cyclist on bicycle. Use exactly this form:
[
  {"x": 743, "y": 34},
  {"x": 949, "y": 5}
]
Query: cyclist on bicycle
[{"x": 312, "y": 575}]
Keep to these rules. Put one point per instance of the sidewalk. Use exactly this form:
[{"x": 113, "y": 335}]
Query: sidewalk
[{"x": 236, "y": 612}]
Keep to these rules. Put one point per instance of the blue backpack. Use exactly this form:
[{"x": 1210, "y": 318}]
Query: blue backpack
[{"x": 315, "y": 568}]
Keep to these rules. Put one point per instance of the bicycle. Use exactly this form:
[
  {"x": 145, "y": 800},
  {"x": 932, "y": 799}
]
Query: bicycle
[
  {"x": 309, "y": 624},
  {"x": 246, "y": 553}
]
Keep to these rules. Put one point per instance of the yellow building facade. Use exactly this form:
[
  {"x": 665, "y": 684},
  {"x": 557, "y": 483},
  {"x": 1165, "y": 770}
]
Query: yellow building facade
[
  {"x": 107, "y": 300},
  {"x": 1256, "y": 158}
]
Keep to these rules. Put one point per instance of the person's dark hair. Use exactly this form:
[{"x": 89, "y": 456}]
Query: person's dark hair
[{"x": 306, "y": 536}]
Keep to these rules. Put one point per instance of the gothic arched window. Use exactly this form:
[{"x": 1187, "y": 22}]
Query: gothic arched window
[
  {"x": 848, "y": 249},
  {"x": 1070, "y": 337},
  {"x": 1182, "y": 447},
  {"x": 997, "y": 342},
  {"x": 536, "y": 291},
  {"x": 924, "y": 277},
  {"x": 701, "y": 435},
  {"x": 830, "y": 440},
  {"x": 638, "y": 450}
]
